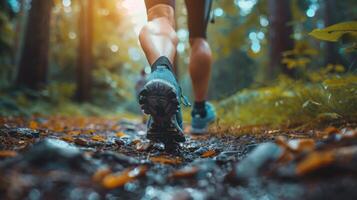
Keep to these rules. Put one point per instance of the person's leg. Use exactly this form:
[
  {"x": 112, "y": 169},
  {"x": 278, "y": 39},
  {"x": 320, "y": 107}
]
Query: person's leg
[
  {"x": 158, "y": 37},
  {"x": 161, "y": 95},
  {"x": 200, "y": 63},
  {"x": 200, "y": 67},
  {"x": 201, "y": 57}
]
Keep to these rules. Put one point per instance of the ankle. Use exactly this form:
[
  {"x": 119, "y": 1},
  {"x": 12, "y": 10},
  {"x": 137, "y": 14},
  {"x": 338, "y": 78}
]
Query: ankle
[
  {"x": 199, "y": 108},
  {"x": 162, "y": 61}
]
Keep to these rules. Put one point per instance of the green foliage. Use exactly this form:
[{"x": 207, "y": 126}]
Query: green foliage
[
  {"x": 292, "y": 103},
  {"x": 300, "y": 56},
  {"x": 335, "y": 32},
  {"x": 345, "y": 32}
]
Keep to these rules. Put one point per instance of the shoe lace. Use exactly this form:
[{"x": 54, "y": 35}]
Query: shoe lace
[{"x": 184, "y": 99}]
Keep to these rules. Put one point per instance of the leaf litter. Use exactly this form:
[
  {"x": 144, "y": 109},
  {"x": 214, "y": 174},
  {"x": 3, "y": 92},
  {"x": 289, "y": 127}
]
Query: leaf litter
[{"x": 109, "y": 157}]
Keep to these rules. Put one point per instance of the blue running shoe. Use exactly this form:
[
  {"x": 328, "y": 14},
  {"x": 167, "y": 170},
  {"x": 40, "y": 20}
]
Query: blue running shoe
[
  {"x": 199, "y": 124},
  {"x": 161, "y": 98}
]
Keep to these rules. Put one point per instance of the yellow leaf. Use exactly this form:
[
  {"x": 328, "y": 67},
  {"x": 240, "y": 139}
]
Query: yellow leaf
[
  {"x": 68, "y": 138},
  {"x": 120, "y": 134},
  {"x": 335, "y": 32},
  {"x": 33, "y": 125},
  {"x": 98, "y": 138}
]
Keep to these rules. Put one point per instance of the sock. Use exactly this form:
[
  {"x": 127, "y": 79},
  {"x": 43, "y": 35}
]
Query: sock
[
  {"x": 161, "y": 61},
  {"x": 199, "y": 108}
]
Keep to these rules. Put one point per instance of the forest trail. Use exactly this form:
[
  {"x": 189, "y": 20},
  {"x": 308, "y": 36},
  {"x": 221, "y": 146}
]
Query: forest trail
[{"x": 97, "y": 158}]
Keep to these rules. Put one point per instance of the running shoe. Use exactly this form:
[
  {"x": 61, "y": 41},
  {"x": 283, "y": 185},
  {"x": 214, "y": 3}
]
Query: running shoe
[{"x": 199, "y": 124}]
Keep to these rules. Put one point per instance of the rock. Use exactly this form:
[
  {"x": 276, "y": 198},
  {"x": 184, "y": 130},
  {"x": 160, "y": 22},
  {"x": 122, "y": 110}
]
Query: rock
[
  {"x": 174, "y": 193},
  {"x": 226, "y": 156},
  {"x": 255, "y": 161},
  {"x": 56, "y": 154},
  {"x": 118, "y": 157},
  {"x": 251, "y": 147},
  {"x": 205, "y": 167},
  {"x": 24, "y": 132},
  {"x": 201, "y": 150}
]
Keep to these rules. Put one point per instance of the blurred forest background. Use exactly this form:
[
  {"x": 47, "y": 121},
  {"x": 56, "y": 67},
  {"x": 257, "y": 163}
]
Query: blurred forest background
[{"x": 275, "y": 62}]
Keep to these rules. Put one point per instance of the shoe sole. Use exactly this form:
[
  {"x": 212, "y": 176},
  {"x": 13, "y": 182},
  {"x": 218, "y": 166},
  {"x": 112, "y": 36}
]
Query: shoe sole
[
  {"x": 201, "y": 131},
  {"x": 159, "y": 99}
]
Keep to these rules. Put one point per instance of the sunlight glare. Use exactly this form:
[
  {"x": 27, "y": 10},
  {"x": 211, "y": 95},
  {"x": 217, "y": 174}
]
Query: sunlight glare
[
  {"x": 114, "y": 48},
  {"x": 66, "y": 3},
  {"x": 245, "y": 6}
]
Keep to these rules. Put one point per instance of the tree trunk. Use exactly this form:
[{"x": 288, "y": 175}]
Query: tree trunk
[
  {"x": 85, "y": 57},
  {"x": 33, "y": 62},
  {"x": 279, "y": 36},
  {"x": 18, "y": 27},
  {"x": 331, "y": 51}
]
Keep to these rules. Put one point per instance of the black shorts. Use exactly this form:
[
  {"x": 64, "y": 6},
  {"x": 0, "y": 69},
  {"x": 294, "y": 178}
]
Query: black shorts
[{"x": 198, "y": 12}]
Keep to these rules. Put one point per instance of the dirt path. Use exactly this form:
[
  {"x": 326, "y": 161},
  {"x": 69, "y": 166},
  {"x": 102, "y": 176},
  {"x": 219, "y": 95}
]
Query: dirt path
[{"x": 95, "y": 158}]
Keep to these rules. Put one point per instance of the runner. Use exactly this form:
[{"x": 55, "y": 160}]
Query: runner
[{"x": 162, "y": 96}]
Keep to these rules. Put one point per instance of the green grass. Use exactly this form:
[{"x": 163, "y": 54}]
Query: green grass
[{"x": 291, "y": 103}]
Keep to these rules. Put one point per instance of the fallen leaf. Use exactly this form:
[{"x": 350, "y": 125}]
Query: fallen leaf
[
  {"x": 286, "y": 156},
  {"x": 119, "y": 179},
  {"x": 100, "y": 174},
  {"x": 73, "y": 132},
  {"x": 7, "y": 154},
  {"x": 331, "y": 130},
  {"x": 300, "y": 145},
  {"x": 98, "y": 138},
  {"x": 120, "y": 134},
  {"x": 313, "y": 161},
  {"x": 185, "y": 173},
  {"x": 208, "y": 153},
  {"x": 33, "y": 125},
  {"x": 282, "y": 142},
  {"x": 80, "y": 141},
  {"x": 67, "y": 138},
  {"x": 166, "y": 160}
]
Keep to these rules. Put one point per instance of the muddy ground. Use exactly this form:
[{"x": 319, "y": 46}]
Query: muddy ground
[{"x": 96, "y": 158}]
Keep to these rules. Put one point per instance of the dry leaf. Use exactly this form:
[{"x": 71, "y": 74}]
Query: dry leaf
[
  {"x": 166, "y": 160},
  {"x": 100, "y": 174},
  {"x": 33, "y": 125},
  {"x": 185, "y": 173},
  {"x": 301, "y": 145},
  {"x": 314, "y": 161},
  {"x": 208, "y": 153},
  {"x": 7, "y": 154},
  {"x": 119, "y": 179},
  {"x": 282, "y": 142},
  {"x": 73, "y": 132},
  {"x": 285, "y": 157},
  {"x": 67, "y": 138},
  {"x": 331, "y": 130},
  {"x": 120, "y": 134},
  {"x": 81, "y": 141},
  {"x": 98, "y": 138}
]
